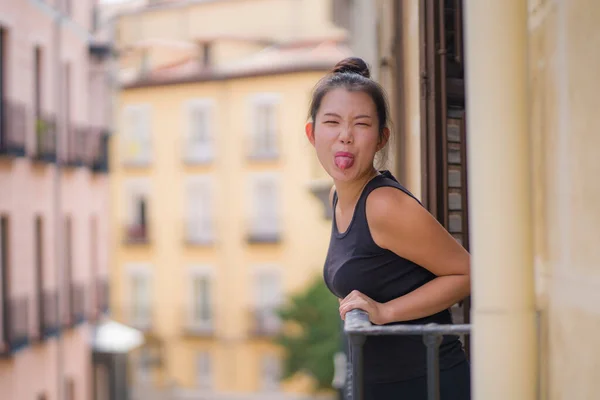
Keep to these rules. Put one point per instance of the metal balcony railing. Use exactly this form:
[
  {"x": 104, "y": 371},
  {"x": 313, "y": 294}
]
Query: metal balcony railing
[
  {"x": 357, "y": 326},
  {"x": 199, "y": 323},
  {"x": 102, "y": 293},
  {"x": 45, "y": 138},
  {"x": 264, "y": 322},
  {"x": 75, "y": 146},
  {"x": 15, "y": 324},
  {"x": 99, "y": 150},
  {"x": 50, "y": 324},
  {"x": 136, "y": 234},
  {"x": 77, "y": 305},
  {"x": 13, "y": 128}
]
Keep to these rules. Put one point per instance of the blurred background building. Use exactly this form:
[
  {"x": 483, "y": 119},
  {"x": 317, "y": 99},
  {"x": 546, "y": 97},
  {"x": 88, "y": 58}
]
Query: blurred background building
[
  {"x": 219, "y": 203},
  {"x": 53, "y": 197}
]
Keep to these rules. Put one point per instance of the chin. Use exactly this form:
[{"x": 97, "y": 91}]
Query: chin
[{"x": 342, "y": 176}]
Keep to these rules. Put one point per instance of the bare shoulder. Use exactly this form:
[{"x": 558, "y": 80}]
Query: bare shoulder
[
  {"x": 393, "y": 214},
  {"x": 387, "y": 201}
]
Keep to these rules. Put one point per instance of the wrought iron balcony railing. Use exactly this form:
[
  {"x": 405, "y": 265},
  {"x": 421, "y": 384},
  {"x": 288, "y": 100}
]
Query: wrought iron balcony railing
[
  {"x": 102, "y": 293},
  {"x": 99, "y": 150},
  {"x": 13, "y": 128},
  {"x": 77, "y": 305},
  {"x": 15, "y": 325},
  {"x": 199, "y": 323},
  {"x": 357, "y": 326},
  {"x": 50, "y": 324},
  {"x": 45, "y": 138},
  {"x": 136, "y": 234},
  {"x": 264, "y": 322}
]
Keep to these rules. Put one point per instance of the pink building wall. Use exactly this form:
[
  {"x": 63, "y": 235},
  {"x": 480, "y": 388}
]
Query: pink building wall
[{"x": 27, "y": 189}]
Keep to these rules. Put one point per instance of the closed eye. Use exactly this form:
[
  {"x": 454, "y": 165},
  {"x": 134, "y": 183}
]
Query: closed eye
[{"x": 330, "y": 122}]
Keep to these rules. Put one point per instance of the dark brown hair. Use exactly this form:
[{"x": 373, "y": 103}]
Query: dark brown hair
[{"x": 352, "y": 74}]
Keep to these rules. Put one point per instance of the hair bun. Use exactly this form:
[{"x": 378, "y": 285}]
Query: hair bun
[{"x": 352, "y": 65}]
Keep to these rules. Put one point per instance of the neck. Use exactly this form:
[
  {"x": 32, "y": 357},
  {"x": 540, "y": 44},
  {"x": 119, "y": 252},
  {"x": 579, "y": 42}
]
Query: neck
[{"x": 349, "y": 192}]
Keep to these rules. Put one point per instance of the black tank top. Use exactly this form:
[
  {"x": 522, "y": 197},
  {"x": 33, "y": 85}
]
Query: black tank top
[{"x": 355, "y": 262}]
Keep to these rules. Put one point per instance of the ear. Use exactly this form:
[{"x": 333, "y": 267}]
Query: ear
[
  {"x": 384, "y": 138},
  {"x": 310, "y": 133}
]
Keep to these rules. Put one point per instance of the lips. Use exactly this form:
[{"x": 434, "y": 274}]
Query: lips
[{"x": 344, "y": 160}]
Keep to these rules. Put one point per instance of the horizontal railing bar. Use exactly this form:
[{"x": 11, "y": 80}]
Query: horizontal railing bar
[{"x": 357, "y": 323}]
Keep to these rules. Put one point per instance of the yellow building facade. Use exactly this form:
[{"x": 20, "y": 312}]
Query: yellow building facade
[{"x": 217, "y": 198}]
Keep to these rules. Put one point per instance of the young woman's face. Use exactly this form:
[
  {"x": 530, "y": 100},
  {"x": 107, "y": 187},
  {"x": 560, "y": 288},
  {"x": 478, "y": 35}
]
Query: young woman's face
[{"x": 346, "y": 134}]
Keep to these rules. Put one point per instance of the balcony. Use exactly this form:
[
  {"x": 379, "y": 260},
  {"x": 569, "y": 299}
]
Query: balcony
[
  {"x": 49, "y": 322},
  {"x": 264, "y": 322},
  {"x": 99, "y": 151},
  {"x": 140, "y": 317},
  {"x": 15, "y": 325},
  {"x": 198, "y": 323},
  {"x": 102, "y": 293},
  {"x": 75, "y": 146},
  {"x": 77, "y": 304},
  {"x": 45, "y": 135},
  {"x": 260, "y": 235},
  {"x": 136, "y": 234},
  {"x": 198, "y": 233},
  {"x": 357, "y": 327},
  {"x": 13, "y": 128}
]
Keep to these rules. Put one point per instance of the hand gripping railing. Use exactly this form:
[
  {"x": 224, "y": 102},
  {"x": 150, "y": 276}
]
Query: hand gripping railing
[{"x": 357, "y": 326}]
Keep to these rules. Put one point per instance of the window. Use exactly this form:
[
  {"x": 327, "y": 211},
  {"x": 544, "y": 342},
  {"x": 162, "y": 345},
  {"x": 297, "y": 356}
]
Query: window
[
  {"x": 271, "y": 372},
  {"x": 199, "y": 210},
  {"x": 265, "y": 226},
  {"x": 264, "y": 126},
  {"x": 140, "y": 313},
  {"x": 198, "y": 144},
  {"x": 204, "y": 370},
  {"x": 268, "y": 298},
  {"x": 200, "y": 312},
  {"x": 137, "y": 192},
  {"x": 137, "y": 135}
]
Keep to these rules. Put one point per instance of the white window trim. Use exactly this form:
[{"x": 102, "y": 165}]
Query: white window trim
[
  {"x": 138, "y": 270},
  {"x": 204, "y": 153},
  {"x": 256, "y": 100},
  {"x": 200, "y": 271},
  {"x": 255, "y": 224},
  {"x": 202, "y": 236},
  {"x": 128, "y": 135}
]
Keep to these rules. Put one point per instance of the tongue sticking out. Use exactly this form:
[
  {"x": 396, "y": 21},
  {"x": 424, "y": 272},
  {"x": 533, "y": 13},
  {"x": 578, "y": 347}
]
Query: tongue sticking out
[{"x": 344, "y": 162}]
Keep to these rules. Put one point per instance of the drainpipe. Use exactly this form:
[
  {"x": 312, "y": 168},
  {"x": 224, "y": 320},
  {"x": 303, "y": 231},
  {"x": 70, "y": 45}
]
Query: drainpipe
[
  {"x": 503, "y": 313},
  {"x": 59, "y": 234}
]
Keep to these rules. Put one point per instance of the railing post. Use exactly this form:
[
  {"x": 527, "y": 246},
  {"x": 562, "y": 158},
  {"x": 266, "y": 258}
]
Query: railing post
[
  {"x": 357, "y": 319},
  {"x": 356, "y": 356},
  {"x": 433, "y": 341}
]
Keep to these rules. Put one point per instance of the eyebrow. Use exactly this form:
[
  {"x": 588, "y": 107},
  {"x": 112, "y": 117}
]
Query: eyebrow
[{"x": 336, "y": 115}]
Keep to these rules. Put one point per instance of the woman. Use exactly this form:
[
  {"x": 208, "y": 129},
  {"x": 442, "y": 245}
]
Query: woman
[{"x": 387, "y": 256}]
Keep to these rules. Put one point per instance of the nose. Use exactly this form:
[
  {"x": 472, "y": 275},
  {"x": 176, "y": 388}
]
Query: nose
[{"x": 346, "y": 136}]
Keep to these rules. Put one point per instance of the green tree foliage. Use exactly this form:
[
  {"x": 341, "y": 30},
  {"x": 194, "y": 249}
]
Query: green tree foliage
[{"x": 312, "y": 335}]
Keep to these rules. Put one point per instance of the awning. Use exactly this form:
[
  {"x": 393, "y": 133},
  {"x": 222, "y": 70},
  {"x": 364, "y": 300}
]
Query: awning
[{"x": 112, "y": 337}]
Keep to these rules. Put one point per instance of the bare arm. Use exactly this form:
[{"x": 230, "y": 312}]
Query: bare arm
[{"x": 398, "y": 223}]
